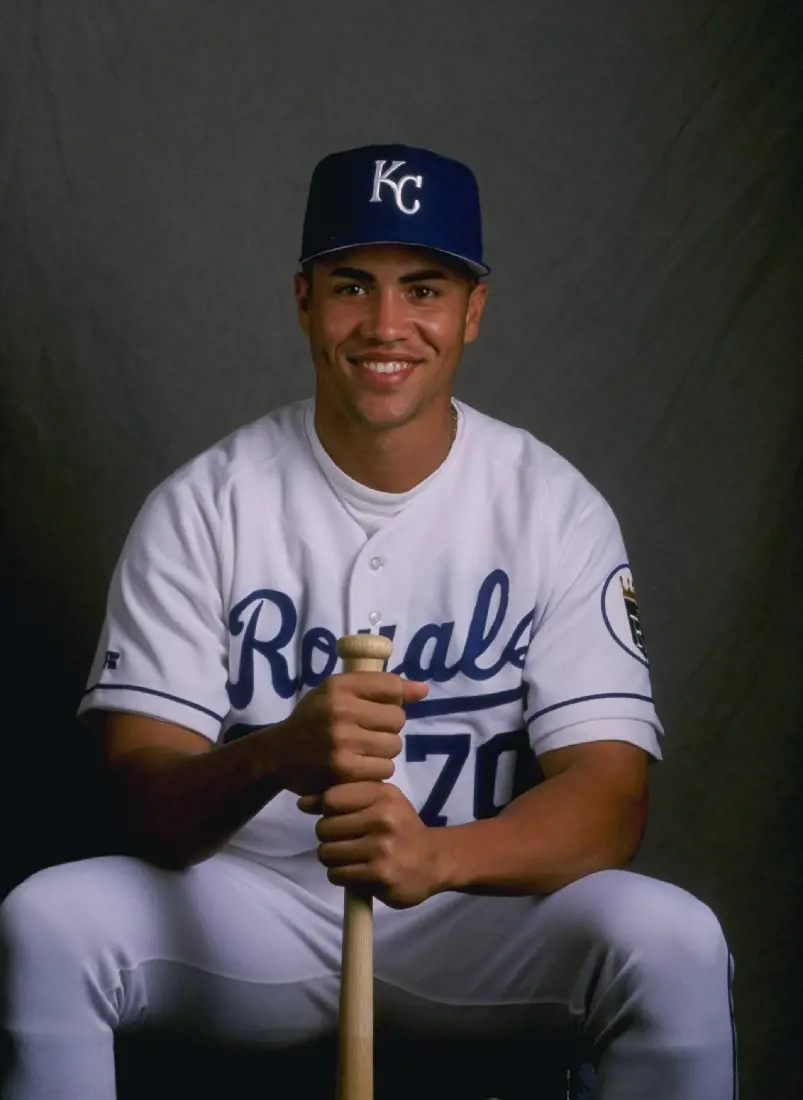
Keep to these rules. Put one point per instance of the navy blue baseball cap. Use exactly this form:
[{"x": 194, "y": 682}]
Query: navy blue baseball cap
[{"x": 393, "y": 194}]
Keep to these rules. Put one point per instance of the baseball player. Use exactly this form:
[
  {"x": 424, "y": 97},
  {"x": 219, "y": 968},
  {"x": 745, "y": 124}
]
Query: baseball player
[{"x": 489, "y": 788}]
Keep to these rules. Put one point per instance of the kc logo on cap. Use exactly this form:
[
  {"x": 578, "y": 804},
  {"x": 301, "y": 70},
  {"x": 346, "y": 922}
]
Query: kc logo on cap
[
  {"x": 383, "y": 176},
  {"x": 393, "y": 195}
]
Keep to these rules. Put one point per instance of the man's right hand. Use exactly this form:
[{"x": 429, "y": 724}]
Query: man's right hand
[{"x": 345, "y": 730}]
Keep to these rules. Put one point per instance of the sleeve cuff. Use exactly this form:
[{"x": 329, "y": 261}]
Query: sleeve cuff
[
  {"x": 153, "y": 703},
  {"x": 618, "y": 706},
  {"x": 636, "y": 732}
]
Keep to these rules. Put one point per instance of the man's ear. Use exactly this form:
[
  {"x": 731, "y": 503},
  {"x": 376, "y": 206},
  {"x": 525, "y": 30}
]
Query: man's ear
[
  {"x": 476, "y": 306},
  {"x": 303, "y": 292}
]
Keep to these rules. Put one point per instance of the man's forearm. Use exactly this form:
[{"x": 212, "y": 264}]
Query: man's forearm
[
  {"x": 569, "y": 826},
  {"x": 177, "y": 809}
]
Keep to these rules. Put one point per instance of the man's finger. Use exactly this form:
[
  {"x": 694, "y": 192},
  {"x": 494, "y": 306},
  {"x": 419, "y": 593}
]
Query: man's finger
[
  {"x": 309, "y": 803},
  {"x": 350, "y": 798},
  {"x": 343, "y": 798},
  {"x": 385, "y": 687},
  {"x": 343, "y": 826},
  {"x": 346, "y": 853},
  {"x": 358, "y": 874},
  {"x": 383, "y": 724}
]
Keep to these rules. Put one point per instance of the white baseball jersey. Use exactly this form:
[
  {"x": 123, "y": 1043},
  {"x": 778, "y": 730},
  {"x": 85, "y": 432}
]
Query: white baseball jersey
[{"x": 502, "y": 581}]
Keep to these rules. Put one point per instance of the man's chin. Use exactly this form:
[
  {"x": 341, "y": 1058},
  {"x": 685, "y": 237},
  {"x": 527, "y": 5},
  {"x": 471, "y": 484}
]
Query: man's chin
[
  {"x": 384, "y": 413},
  {"x": 379, "y": 423}
]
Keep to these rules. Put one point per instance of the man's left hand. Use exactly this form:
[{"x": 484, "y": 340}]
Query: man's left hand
[{"x": 372, "y": 838}]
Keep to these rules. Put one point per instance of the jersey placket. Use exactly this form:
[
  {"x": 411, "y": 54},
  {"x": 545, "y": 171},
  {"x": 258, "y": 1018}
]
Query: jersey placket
[{"x": 373, "y": 579}]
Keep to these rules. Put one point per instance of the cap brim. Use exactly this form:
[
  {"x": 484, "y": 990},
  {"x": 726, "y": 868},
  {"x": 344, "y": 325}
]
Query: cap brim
[{"x": 478, "y": 269}]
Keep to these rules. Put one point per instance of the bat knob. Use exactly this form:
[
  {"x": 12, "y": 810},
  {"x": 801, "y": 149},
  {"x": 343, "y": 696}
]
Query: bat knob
[{"x": 374, "y": 647}]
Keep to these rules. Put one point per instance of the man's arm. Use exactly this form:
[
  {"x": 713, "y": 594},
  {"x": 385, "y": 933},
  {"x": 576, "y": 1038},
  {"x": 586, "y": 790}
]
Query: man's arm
[
  {"x": 588, "y": 815},
  {"x": 179, "y": 796}
]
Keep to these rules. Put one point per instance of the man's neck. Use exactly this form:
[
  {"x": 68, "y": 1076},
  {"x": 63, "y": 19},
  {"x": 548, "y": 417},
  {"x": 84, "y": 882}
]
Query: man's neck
[{"x": 391, "y": 460}]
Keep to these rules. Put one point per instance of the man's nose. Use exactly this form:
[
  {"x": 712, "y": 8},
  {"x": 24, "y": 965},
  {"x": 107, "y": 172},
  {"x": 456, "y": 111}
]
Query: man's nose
[{"x": 386, "y": 318}]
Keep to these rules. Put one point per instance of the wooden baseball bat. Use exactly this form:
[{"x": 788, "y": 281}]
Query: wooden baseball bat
[{"x": 355, "y": 1070}]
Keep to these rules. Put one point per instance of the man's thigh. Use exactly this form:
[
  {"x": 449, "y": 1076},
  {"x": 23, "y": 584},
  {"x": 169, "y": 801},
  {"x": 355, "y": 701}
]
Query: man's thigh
[
  {"x": 228, "y": 947},
  {"x": 480, "y": 962},
  {"x": 466, "y": 950},
  {"x": 466, "y": 990}
]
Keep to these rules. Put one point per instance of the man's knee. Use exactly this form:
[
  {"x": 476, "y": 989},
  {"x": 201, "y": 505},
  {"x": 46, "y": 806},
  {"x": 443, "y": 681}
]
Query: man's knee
[
  {"x": 28, "y": 908},
  {"x": 655, "y": 922},
  {"x": 53, "y": 910}
]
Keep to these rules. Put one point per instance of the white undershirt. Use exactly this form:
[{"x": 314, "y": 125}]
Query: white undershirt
[{"x": 370, "y": 508}]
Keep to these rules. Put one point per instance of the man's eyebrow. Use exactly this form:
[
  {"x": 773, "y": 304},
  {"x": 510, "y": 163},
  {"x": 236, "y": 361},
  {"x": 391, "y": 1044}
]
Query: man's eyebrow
[
  {"x": 424, "y": 275},
  {"x": 351, "y": 273}
]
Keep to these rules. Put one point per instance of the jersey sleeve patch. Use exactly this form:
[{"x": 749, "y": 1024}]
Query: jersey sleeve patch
[{"x": 621, "y": 613}]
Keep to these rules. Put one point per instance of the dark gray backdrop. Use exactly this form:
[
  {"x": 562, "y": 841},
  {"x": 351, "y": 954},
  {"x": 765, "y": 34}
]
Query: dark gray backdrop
[{"x": 639, "y": 165}]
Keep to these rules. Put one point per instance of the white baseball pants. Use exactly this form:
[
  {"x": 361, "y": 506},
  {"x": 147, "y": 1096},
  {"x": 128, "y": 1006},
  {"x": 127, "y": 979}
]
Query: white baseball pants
[{"x": 240, "y": 951}]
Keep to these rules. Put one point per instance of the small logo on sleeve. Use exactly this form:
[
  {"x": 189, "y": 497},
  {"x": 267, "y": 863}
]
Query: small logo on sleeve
[
  {"x": 621, "y": 613},
  {"x": 111, "y": 660}
]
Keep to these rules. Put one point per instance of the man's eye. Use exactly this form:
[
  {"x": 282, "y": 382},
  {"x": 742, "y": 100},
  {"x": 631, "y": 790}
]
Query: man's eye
[
  {"x": 423, "y": 292},
  {"x": 348, "y": 290}
]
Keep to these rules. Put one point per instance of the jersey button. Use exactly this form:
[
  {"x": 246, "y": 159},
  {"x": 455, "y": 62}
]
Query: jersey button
[
  {"x": 377, "y": 563},
  {"x": 374, "y": 618}
]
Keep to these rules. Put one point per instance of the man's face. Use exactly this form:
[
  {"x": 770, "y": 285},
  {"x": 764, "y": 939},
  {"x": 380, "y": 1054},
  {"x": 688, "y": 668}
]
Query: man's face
[{"x": 386, "y": 327}]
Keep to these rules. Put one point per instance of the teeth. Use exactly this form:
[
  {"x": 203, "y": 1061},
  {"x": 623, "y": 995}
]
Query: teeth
[{"x": 385, "y": 368}]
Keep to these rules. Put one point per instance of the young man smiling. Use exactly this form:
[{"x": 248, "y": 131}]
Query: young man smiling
[
  {"x": 256, "y": 779},
  {"x": 386, "y": 327}
]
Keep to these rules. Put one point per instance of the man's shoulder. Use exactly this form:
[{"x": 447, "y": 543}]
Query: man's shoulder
[
  {"x": 242, "y": 452},
  {"x": 529, "y": 464},
  {"x": 202, "y": 484}
]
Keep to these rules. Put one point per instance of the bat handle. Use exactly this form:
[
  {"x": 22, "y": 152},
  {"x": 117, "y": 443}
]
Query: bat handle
[{"x": 355, "y": 1072}]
